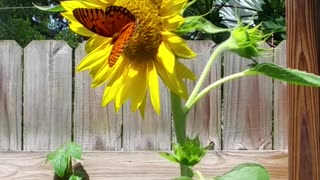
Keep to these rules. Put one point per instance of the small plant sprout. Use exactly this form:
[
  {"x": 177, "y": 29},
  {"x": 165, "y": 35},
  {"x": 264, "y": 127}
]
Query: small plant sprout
[{"x": 61, "y": 160}]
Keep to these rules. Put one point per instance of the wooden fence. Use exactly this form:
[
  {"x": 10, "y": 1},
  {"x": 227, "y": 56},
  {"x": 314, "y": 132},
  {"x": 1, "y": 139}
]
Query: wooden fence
[{"x": 44, "y": 103}]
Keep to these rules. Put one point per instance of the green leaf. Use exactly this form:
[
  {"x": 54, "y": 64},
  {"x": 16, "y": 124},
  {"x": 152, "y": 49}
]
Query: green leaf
[
  {"x": 199, "y": 23},
  {"x": 291, "y": 76},
  {"x": 74, "y": 177},
  {"x": 60, "y": 164},
  {"x": 169, "y": 156},
  {"x": 248, "y": 171},
  {"x": 57, "y": 8},
  {"x": 183, "y": 178},
  {"x": 74, "y": 150}
]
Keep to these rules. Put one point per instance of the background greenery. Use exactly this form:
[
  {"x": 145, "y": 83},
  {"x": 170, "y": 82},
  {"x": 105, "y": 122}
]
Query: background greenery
[{"x": 20, "y": 21}]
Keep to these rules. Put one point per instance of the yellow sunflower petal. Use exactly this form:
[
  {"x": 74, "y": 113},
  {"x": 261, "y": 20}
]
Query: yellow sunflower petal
[
  {"x": 96, "y": 41},
  {"x": 177, "y": 45},
  {"x": 143, "y": 107},
  {"x": 171, "y": 80},
  {"x": 106, "y": 73},
  {"x": 76, "y": 26},
  {"x": 166, "y": 57},
  {"x": 102, "y": 3},
  {"x": 134, "y": 86},
  {"x": 111, "y": 91},
  {"x": 184, "y": 72},
  {"x": 171, "y": 23},
  {"x": 115, "y": 83},
  {"x": 69, "y": 16},
  {"x": 95, "y": 57},
  {"x": 71, "y": 5},
  {"x": 170, "y": 7},
  {"x": 138, "y": 85},
  {"x": 154, "y": 87},
  {"x": 94, "y": 70}
]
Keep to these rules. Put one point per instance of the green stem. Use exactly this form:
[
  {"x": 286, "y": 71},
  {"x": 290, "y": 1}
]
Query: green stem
[
  {"x": 206, "y": 90},
  {"x": 205, "y": 72},
  {"x": 179, "y": 121}
]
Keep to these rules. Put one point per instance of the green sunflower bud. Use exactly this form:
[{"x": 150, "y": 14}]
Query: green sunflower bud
[
  {"x": 245, "y": 41},
  {"x": 189, "y": 154}
]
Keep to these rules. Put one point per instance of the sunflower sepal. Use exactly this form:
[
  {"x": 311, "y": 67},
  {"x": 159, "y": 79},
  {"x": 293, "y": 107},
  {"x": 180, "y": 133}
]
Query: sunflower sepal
[{"x": 246, "y": 41}]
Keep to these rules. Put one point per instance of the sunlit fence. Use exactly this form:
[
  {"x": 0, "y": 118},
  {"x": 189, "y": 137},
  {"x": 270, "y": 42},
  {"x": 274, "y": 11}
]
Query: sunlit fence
[{"x": 44, "y": 103}]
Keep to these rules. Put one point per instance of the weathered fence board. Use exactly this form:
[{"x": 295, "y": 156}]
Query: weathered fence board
[
  {"x": 203, "y": 119},
  {"x": 281, "y": 103},
  {"x": 10, "y": 95},
  {"x": 95, "y": 128},
  {"x": 47, "y": 95},
  {"x": 140, "y": 165},
  {"x": 247, "y": 116}
]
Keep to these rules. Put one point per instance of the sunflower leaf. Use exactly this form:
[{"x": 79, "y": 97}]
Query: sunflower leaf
[
  {"x": 291, "y": 76},
  {"x": 169, "y": 157},
  {"x": 57, "y": 8},
  {"x": 199, "y": 23},
  {"x": 247, "y": 171}
]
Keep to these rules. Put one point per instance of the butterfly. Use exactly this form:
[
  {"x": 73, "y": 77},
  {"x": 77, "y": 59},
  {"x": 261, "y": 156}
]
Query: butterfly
[{"x": 116, "y": 22}]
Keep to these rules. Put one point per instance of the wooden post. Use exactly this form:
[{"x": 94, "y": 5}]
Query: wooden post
[{"x": 304, "y": 123}]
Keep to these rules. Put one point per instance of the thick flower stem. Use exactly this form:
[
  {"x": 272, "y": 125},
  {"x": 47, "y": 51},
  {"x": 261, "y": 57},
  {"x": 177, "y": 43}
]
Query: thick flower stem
[{"x": 179, "y": 120}]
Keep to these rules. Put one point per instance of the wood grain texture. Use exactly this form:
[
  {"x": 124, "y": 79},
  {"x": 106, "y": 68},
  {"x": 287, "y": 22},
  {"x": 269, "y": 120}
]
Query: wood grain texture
[
  {"x": 151, "y": 133},
  {"x": 140, "y": 165},
  {"x": 303, "y": 49},
  {"x": 10, "y": 95},
  {"x": 95, "y": 127},
  {"x": 204, "y": 118},
  {"x": 281, "y": 103},
  {"x": 247, "y": 122},
  {"x": 47, "y": 95}
]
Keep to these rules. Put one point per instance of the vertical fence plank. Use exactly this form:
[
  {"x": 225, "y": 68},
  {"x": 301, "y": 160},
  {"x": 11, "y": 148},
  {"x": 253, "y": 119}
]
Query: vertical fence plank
[
  {"x": 10, "y": 95},
  {"x": 247, "y": 112},
  {"x": 281, "y": 104},
  {"x": 204, "y": 118},
  {"x": 95, "y": 127},
  {"x": 47, "y": 94},
  {"x": 151, "y": 133}
]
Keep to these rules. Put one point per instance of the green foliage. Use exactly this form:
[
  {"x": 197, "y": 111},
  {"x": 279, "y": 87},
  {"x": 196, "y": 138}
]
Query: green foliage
[
  {"x": 183, "y": 178},
  {"x": 189, "y": 154},
  {"x": 291, "y": 76},
  {"x": 22, "y": 22},
  {"x": 247, "y": 171},
  {"x": 198, "y": 23},
  {"x": 61, "y": 158},
  {"x": 269, "y": 13},
  {"x": 206, "y": 9},
  {"x": 273, "y": 20},
  {"x": 74, "y": 177}
]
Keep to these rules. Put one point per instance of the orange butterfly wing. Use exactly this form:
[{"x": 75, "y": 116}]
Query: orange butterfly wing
[
  {"x": 106, "y": 23},
  {"x": 119, "y": 44},
  {"x": 116, "y": 22},
  {"x": 93, "y": 19}
]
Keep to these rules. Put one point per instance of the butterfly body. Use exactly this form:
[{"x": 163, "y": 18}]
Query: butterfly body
[{"x": 115, "y": 22}]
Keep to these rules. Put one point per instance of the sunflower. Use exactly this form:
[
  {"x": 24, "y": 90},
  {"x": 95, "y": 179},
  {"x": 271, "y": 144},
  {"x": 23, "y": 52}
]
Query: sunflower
[{"x": 131, "y": 45}]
